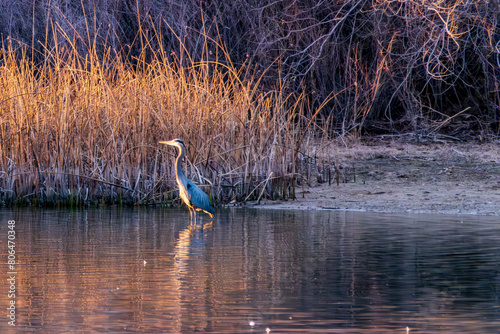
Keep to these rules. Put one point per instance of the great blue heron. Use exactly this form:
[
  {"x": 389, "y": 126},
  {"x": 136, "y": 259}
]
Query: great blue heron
[{"x": 194, "y": 197}]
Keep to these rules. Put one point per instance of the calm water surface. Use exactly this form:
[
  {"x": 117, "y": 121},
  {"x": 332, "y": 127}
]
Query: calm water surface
[{"x": 144, "y": 270}]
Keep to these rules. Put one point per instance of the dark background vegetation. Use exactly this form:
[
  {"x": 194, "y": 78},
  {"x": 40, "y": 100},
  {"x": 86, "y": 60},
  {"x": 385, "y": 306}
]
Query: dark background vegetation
[{"x": 423, "y": 67}]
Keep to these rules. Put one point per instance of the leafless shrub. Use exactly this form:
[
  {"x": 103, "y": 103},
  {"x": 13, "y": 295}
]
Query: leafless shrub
[{"x": 403, "y": 63}]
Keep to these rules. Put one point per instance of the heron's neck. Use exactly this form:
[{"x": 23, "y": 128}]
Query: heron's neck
[{"x": 178, "y": 168}]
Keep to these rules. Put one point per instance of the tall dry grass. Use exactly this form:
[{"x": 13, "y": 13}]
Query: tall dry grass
[
  {"x": 83, "y": 130},
  {"x": 400, "y": 66}
]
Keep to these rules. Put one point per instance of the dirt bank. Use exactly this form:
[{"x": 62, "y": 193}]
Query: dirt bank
[{"x": 392, "y": 177}]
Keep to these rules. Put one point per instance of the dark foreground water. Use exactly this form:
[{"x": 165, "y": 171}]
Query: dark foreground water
[{"x": 250, "y": 271}]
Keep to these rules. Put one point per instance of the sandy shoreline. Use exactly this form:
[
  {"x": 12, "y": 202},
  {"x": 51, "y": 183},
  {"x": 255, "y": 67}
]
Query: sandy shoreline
[{"x": 392, "y": 177}]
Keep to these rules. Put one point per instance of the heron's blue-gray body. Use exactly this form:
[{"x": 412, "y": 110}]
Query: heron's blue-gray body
[{"x": 191, "y": 195}]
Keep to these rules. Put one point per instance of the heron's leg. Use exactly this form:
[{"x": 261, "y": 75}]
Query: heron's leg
[{"x": 191, "y": 216}]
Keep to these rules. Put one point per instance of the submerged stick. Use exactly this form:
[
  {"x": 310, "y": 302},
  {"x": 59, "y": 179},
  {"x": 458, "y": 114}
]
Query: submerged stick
[{"x": 264, "y": 187}]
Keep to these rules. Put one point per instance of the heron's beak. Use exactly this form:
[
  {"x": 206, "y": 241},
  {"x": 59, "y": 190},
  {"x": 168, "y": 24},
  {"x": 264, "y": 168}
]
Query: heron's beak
[{"x": 171, "y": 142}]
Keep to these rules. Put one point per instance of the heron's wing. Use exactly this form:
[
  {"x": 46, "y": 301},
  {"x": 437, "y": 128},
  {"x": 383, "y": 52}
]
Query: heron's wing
[{"x": 199, "y": 199}]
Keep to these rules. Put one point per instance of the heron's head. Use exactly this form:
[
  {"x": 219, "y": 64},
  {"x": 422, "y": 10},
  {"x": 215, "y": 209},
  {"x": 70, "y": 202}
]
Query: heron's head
[{"x": 175, "y": 142}]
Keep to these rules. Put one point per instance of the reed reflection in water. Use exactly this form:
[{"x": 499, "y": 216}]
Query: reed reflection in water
[{"x": 145, "y": 270}]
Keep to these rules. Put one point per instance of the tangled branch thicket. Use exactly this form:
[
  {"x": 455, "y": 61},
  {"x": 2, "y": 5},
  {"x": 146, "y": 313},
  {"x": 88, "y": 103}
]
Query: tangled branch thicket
[
  {"x": 88, "y": 88},
  {"x": 398, "y": 64}
]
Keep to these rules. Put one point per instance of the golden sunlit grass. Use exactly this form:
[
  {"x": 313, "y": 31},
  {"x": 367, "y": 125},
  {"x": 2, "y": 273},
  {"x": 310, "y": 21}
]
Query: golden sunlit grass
[{"x": 84, "y": 130}]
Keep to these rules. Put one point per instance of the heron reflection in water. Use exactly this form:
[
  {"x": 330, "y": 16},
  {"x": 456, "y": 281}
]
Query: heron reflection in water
[{"x": 195, "y": 198}]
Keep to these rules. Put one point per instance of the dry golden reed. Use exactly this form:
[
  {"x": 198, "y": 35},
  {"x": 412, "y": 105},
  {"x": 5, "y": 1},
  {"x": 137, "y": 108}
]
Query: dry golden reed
[{"x": 84, "y": 130}]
